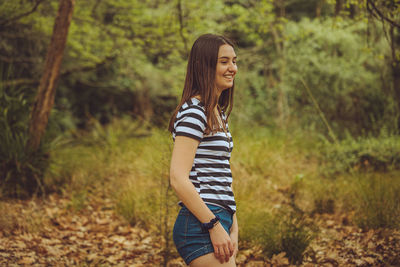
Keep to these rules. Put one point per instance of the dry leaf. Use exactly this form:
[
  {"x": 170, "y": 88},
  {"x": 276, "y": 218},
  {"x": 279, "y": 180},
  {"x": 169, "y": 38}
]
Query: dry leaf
[
  {"x": 280, "y": 259},
  {"x": 369, "y": 260},
  {"x": 26, "y": 260}
]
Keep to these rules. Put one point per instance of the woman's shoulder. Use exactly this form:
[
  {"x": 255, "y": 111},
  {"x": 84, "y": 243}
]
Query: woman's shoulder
[
  {"x": 192, "y": 104},
  {"x": 192, "y": 111}
]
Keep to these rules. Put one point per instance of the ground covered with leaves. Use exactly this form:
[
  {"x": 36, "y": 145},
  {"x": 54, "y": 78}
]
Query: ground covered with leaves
[{"x": 54, "y": 232}]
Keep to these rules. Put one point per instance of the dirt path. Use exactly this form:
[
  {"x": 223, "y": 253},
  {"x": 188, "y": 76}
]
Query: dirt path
[{"x": 52, "y": 232}]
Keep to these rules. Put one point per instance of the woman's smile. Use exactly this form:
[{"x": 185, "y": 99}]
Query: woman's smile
[{"x": 226, "y": 67}]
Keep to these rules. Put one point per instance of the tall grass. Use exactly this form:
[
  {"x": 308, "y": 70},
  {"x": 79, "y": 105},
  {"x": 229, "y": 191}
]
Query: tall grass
[
  {"x": 21, "y": 170},
  {"x": 378, "y": 201},
  {"x": 277, "y": 183},
  {"x": 130, "y": 163},
  {"x": 135, "y": 172}
]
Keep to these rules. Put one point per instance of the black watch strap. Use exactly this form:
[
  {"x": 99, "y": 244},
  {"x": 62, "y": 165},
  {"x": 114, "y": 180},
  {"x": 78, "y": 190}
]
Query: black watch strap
[{"x": 210, "y": 225}]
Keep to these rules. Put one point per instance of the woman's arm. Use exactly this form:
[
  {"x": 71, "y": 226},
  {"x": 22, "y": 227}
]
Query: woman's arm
[
  {"x": 234, "y": 234},
  {"x": 182, "y": 159}
]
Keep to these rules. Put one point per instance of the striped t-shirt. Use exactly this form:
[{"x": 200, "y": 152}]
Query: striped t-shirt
[{"x": 211, "y": 173}]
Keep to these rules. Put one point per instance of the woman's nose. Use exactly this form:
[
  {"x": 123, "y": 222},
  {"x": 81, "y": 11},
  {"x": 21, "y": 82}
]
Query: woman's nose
[{"x": 232, "y": 67}]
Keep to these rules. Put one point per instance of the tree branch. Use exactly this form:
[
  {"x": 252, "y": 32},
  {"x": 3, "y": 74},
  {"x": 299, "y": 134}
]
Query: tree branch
[
  {"x": 17, "y": 59},
  {"x": 5, "y": 22},
  {"x": 377, "y": 13},
  {"x": 22, "y": 81},
  {"x": 17, "y": 82}
]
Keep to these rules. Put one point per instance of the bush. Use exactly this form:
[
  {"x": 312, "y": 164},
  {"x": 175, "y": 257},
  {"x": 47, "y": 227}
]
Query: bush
[
  {"x": 282, "y": 232},
  {"x": 21, "y": 171},
  {"x": 378, "y": 201},
  {"x": 344, "y": 74},
  {"x": 362, "y": 154}
]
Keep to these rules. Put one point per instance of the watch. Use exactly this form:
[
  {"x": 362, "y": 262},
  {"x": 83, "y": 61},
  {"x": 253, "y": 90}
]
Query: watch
[{"x": 211, "y": 224}]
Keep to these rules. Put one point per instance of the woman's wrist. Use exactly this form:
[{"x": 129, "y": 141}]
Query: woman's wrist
[
  {"x": 209, "y": 225},
  {"x": 234, "y": 229},
  {"x": 216, "y": 227}
]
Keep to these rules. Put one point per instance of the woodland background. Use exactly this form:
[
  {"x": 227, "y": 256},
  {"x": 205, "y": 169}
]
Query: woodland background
[{"x": 316, "y": 123}]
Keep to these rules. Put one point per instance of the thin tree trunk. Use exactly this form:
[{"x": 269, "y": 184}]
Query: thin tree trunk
[
  {"x": 45, "y": 97},
  {"x": 278, "y": 36},
  {"x": 181, "y": 26},
  {"x": 318, "y": 8},
  {"x": 338, "y": 7},
  {"x": 394, "y": 45}
]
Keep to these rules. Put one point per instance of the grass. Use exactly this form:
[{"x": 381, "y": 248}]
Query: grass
[
  {"x": 276, "y": 232},
  {"x": 277, "y": 183},
  {"x": 378, "y": 201}
]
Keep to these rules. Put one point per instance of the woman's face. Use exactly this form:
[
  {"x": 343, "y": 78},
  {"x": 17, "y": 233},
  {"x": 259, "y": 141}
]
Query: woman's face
[{"x": 226, "y": 67}]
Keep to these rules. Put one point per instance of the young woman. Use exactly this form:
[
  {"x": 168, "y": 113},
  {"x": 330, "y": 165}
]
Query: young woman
[{"x": 206, "y": 229}]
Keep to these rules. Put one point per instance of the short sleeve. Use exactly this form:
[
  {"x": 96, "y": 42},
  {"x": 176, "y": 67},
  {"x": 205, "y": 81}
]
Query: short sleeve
[{"x": 191, "y": 122}]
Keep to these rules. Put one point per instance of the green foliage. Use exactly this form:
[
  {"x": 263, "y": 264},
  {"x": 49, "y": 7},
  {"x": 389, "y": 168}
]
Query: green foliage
[
  {"x": 131, "y": 164},
  {"x": 366, "y": 154},
  {"x": 21, "y": 170},
  {"x": 343, "y": 73},
  {"x": 128, "y": 58},
  {"x": 378, "y": 201},
  {"x": 282, "y": 232},
  {"x": 298, "y": 9}
]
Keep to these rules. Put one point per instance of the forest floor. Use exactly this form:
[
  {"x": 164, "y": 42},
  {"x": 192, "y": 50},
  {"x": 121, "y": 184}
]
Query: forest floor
[{"x": 49, "y": 232}]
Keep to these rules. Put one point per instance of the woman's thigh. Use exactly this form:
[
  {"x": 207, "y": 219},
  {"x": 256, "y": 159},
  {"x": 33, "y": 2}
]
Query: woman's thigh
[
  {"x": 210, "y": 260},
  {"x": 190, "y": 239}
]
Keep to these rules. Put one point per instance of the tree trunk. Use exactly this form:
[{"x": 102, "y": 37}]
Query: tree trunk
[
  {"x": 143, "y": 107},
  {"x": 318, "y": 9},
  {"x": 280, "y": 8},
  {"x": 45, "y": 97},
  {"x": 338, "y": 7},
  {"x": 395, "y": 45},
  {"x": 278, "y": 37},
  {"x": 396, "y": 82}
]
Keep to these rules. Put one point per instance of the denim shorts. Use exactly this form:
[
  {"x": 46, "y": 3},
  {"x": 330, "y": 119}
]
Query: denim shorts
[{"x": 190, "y": 239}]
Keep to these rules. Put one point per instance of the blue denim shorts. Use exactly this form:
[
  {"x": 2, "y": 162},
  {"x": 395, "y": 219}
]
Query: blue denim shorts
[{"x": 190, "y": 239}]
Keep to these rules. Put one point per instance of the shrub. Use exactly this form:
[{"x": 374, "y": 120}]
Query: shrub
[
  {"x": 368, "y": 154},
  {"x": 324, "y": 205},
  {"x": 343, "y": 73},
  {"x": 282, "y": 232},
  {"x": 21, "y": 171},
  {"x": 378, "y": 201}
]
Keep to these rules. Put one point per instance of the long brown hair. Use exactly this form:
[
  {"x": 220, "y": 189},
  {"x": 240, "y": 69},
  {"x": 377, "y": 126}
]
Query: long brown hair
[{"x": 200, "y": 80}]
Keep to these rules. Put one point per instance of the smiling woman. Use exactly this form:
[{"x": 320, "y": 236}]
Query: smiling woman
[
  {"x": 206, "y": 229},
  {"x": 226, "y": 67}
]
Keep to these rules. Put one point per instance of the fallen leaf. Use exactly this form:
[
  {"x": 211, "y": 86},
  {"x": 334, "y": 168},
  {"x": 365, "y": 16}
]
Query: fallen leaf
[
  {"x": 280, "y": 259},
  {"x": 26, "y": 260},
  {"x": 369, "y": 260}
]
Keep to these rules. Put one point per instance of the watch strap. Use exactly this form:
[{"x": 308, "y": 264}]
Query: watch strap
[{"x": 211, "y": 223}]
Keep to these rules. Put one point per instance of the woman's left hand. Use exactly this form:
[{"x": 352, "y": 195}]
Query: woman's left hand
[
  {"x": 234, "y": 238},
  {"x": 234, "y": 233}
]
